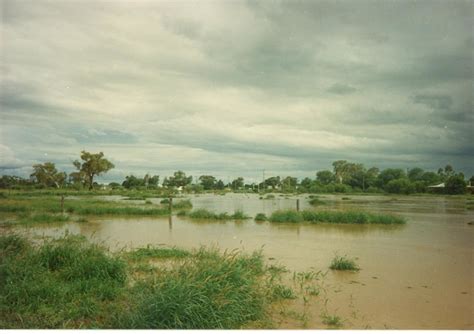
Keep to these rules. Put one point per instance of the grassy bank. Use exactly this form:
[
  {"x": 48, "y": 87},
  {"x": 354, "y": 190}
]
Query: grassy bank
[
  {"x": 34, "y": 209},
  {"x": 334, "y": 217},
  {"x": 69, "y": 283}
]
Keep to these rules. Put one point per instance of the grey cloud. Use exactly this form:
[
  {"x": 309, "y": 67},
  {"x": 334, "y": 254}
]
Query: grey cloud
[
  {"x": 169, "y": 85},
  {"x": 341, "y": 89}
]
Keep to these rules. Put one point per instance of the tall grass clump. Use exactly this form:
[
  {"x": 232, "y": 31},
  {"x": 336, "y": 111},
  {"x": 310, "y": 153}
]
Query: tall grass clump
[
  {"x": 69, "y": 283},
  {"x": 261, "y": 217},
  {"x": 343, "y": 263},
  {"x": 209, "y": 215},
  {"x": 184, "y": 204},
  {"x": 286, "y": 216},
  {"x": 57, "y": 285},
  {"x": 334, "y": 217},
  {"x": 207, "y": 292}
]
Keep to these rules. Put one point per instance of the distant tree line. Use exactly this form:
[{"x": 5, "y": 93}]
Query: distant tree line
[{"x": 345, "y": 177}]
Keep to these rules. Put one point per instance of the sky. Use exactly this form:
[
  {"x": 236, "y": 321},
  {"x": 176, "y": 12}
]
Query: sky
[{"x": 232, "y": 88}]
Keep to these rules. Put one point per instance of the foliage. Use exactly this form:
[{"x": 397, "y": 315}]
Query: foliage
[
  {"x": 47, "y": 175},
  {"x": 325, "y": 177},
  {"x": 93, "y": 164},
  {"x": 207, "y": 181},
  {"x": 179, "y": 179},
  {"x": 238, "y": 183},
  {"x": 455, "y": 184},
  {"x": 400, "y": 186}
]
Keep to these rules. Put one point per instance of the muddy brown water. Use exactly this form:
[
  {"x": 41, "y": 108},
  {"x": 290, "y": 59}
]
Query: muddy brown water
[{"x": 416, "y": 276}]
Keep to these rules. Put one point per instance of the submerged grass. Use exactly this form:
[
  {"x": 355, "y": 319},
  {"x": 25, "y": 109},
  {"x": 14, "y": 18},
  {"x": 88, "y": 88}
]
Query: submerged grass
[
  {"x": 209, "y": 215},
  {"x": 42, "y": 218},
  {"x": 183, "y": 204},
  {"x": 335, "y": 217},
  {"x": 80, "y": 206},
  {"x": 343, "y": 263},
  {"x": 316, "y": 201},
  {"x": 70, "y": 283}
]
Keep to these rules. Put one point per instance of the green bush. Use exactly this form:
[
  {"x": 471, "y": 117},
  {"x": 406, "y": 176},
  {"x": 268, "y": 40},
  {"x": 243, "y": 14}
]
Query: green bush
[{"x": 261, "y": 217}]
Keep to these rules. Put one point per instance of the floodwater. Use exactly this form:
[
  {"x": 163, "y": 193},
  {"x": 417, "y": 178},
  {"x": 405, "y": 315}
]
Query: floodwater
[{"x": 416, "y": 276}]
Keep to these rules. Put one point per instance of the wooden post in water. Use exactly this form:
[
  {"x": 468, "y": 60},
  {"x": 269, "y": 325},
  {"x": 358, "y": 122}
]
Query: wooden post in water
[
  {"x": 298, "y": 204},
  {"x": 171, "y": 205},
  {"x": 62, "y": 204}
]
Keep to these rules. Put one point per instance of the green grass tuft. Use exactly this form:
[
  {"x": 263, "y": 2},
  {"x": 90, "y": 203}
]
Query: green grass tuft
[
  {"x": 343, "y": 263},
  {"x": 332, "y": 320},
  {"x": 282, "y": 292}
]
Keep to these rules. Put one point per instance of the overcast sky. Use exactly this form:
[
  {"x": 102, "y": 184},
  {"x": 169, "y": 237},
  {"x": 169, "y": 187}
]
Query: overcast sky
[{"x": 231, "y": 88}]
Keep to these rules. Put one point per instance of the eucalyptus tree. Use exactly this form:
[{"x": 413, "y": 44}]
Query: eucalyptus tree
[
  {"x": 93, "y": 164},
  {"x": 47, "y": 175}
]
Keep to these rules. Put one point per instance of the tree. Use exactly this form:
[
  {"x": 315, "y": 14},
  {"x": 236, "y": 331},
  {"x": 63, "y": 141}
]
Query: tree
[
  {"x": 47, "y": 175},
  {"x": 273, "y": 182},
  {"x": 208, "y": 182},
  {"x": 93, "y": 164},
  {"x": 325, "y": 177},
  {"x": 446, "y": 173},
  {"x": 306, "y": 183},
  {"x": 131, "y": 181},
  {"x": 400, "y": 186},
  {"x": 220, "y": 185},
  {"x": 455, "y": 184},
  {"x": 430, "y": 178},
  {"x": 388, "y": 175},
  {"x": 415, "y": 174},
  {"x": 179, "y": 179},
  {"x": 289, "y": 183},
  {"x": 238, "y": 183}
]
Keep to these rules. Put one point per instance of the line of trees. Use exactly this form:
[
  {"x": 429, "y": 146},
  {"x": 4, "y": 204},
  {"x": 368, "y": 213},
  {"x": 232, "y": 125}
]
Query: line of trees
[{"x": 345, "y": 177}]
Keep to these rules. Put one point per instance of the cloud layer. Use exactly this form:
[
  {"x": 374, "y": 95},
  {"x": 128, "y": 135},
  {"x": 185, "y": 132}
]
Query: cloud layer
[{"x": 231, "y": 88}]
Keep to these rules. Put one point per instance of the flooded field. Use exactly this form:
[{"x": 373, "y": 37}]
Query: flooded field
[{"x": 414, "y": 276}]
